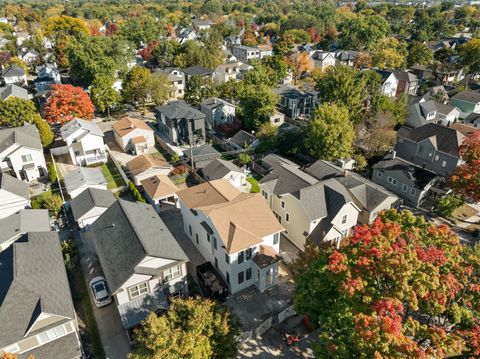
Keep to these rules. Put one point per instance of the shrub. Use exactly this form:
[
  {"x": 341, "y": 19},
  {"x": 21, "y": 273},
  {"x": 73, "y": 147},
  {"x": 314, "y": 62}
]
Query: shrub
[
  {"x": 50, "y": 201},
  {"x": 69, "y": 251},
  {"x": 135, "y": 193},
  {"x": 179, "y": 170},
  {"x": 449, "y": 203},
  {"x": 52, "y": 174}
]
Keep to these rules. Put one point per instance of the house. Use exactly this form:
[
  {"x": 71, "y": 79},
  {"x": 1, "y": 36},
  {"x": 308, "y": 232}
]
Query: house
[
  {"x": 246, "y": 53},
  {"x": 444, "y": 74},
  {"x": 160, "y": 192},
  {"x": 277, "y": 119},
  {"x": 201, "y": 25},
  {"x": 181, "y": 122},
  {"x": 82, "y": 178},
  {"x": 90, "y": 204},
  {"x": 49, "y": 71},
  {"x": 409, "y": 181},
  {"x": 84, "y": 141},
  {"x": 3, "y": 42},
  {"x": 467, "y": 102},
  {"x": 21, "y": 153},
  {"x": 296, "y": 102},
  {"x": 145, "y": 166},
  {"x": 30, "y": 57},
  {"x": 230, "y": 71},
  {"x": 473, "y": 119},
  {"x": 36, "y": 303},
  {"x": 424, "y": 112},
  {"x": 437, "y": 93},
  {"x": 242, "y": 140},
  {"x": 177, "y": 79},
  {"x": 14, "y": 195},
  {"x": 323, "y": 59},
  {"x": 242, "y": 243},
  {"x": 20, "y": 223},
  {"x": 134, "y": 135},
  {"x": 13, "y": 90},
  {"x": 221, "y": 169},
  {"x": 197, "y": 71},
  {"x": 21, "y": 37},
  {"x": 431, "y": 146},
  {"x": 14, "y": 75},
  {"x": 265, "y": 50},
  {"x": 217, "y": 112},
  {"x": 184, "y": 34},
  {"x": 142, "y": 262},
  {"x": 346, "y": 57},
  {"x": 233, "y": 40},
  {"x": 389, "y": 83},
  {"x": 441, "y": 44},
  {"x": 408, "y": 83},
  {"x": 202, "y": 155}
]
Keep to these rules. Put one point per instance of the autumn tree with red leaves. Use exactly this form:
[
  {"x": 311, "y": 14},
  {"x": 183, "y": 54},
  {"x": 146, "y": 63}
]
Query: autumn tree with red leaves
[
  {"x": 399, "y": 288},
  {"x": 67, "y": 102},
  {"x": 465, "y": 181},
  {"x": 147, "y": 51}
]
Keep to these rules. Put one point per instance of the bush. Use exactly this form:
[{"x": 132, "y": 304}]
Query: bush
[
  {"x": 179, "y": 170},
  {"x": 46, "y": 134},
  {"x": 135, "y": 193},
  {"x": 449, "y": 203},
  {"x": 52, "y": 174},
  {"x": 69, "y": 251},
  {"x": 244, "y": 158},
  {"x": 50, "y": 201}
]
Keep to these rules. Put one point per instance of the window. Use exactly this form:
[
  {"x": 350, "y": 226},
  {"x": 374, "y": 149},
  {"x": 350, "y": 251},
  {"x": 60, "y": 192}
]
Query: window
[
  {"x": 215, "y": 243},
  {"x": 138, "y": 290},
  {"x": 287, "y": 217},
  {"x": 240, "y": 258},
  {"x": 276, "y": 238},
  {"x": 240, "y": 278},
  {"x": 51, "y": 334},
  {"x": 264, "y": 194},
  {"x": 196, "y": 237},
  {"x": 12, "y": 349},
  {"x": 248, "y": 274},
  {"x": 172, "y": 272},
  {"x": 392, "y": 181},
  {"x": 27, "y": 158},
  {"x": 208, "y": 238},
  {"x": 379, "y": 174},
  {"x": 227, "y": 258},
  {"x": 190, "y": 229},
  {"x": 404, "y": 188},
  {"x": 216, "y": 262},
  {"x": 227, "y": 275},
  {"x": 283, "y": 204},
  {"x": 437, "y": 157},
  {"x": 248, "y": 254},
  {"x": 413, "y": 191},
  {"x": 444, "y": 163},
  {"x": 344, "y": 219}
]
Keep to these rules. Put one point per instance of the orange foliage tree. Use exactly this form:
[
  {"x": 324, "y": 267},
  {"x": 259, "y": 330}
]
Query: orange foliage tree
[
  {"x": 67, "y": 102},
  {"x": 465, "y": 181},
  {"x": 299, "y": 63}
]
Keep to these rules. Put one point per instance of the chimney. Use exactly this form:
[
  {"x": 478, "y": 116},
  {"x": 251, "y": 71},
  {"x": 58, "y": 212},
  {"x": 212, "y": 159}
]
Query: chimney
[{"x": 345, "y": 173}]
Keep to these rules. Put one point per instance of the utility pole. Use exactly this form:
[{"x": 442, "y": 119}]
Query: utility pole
[{"x": 190, "y": 140}]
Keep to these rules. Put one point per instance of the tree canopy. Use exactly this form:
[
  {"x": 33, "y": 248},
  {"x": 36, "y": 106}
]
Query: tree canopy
[
  {"x": 465, "y": 181},
  {"x": 67, "y": 102}
]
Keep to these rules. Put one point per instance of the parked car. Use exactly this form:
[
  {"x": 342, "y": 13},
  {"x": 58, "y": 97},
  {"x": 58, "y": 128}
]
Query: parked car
[{"x": 99, "y": 289}]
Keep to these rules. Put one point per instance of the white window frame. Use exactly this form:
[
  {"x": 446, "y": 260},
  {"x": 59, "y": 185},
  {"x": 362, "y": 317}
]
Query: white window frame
[
  {"x": 172, "y": 273},
  {"x": 138, "y": 290},
  {"x": 344, "y": 219},
  {"x": 444, "y": 163},
  {"x": 379, "y": 174},
  {"x": 52, "y": 334},
  {"x": 12, "y": 349},
  {"x": 413, "y": 191},
  {"x": 276, "y": 238},
  {"x": 27, "y": 158}
]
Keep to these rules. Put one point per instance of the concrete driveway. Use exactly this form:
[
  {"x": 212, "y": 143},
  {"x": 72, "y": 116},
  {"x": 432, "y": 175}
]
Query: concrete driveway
[
  {"x": 114, "y": 339},
  {"x": 115, "y": 150}
]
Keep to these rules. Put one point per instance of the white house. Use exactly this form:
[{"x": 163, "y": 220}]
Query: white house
[
  {"x": 14, "y": 195},
  {"x": 145, "y": 166},
  {"x": 217, "y": 112},
  {"x": 389, "y": 83},
  {"x": 142, "y": 262},
  {"x": 235, "y": 231},
  {"x": 323, "y": 59},
  {"x": 134, "y": 135},
  {"x": 21, "y": 153},
  {"x": 90, "y": 204},
  {"x": 230, "y": 71},
  {"x": 30, "y": 57},
  {"x": 82, "y": 178},
  {"x": 160, "y": 192},
  {"x": 84, "y": 141},
  {"x": 14, "y": 75},
  {"x": 221, "y": 169},
  {"x": 177, "y": 79}
]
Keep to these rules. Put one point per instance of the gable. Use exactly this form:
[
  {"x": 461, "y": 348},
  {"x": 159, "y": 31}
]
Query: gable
[{"x": 44, "y": 320}]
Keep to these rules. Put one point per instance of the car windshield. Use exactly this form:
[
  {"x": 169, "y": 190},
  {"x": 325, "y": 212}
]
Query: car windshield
[
  {"x": 103, "y": 299},
  {"x": 98, "y": 286}
]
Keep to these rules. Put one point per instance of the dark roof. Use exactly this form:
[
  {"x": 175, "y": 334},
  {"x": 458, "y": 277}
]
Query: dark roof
[
  {"x": 34, "y": 281},
  {"x": 13, "y": 185},
  {"x": 415, "y": 174},
  {"x": 26, "y": 135},
  {"x": 405, "y": 76},
  {"x": 90, "y": 198},
  {"x": 288, "y": 179},
  {"x": 291, "y": 91},
  {"x": 23, "y": 221},
  {"x": 203, "y": 152},
  {"x": 272, "y": 160},
  {"x": 180, "y": 110},
  {"x": 344, "y": 55},
  {"x": 384, "y": 74},
  {"x": 242, "y": 138},
  {"x": 468, "y": 95},
  {"x": 446, "y": 140},
  {"x": 218, "y": 168},
  {"x": 214, "y": 102},
  {"x": 127, "y": 232},
  {"x": 197, "y": 71}
]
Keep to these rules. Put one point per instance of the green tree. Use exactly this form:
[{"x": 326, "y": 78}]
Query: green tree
[
  {"x": 400, "y": 288},
  {"x": 419, "y": 53},
  {"x": 141, "y": 29},
  {"x": 389, "y": 53},
  {"x": 192, "y": 328},
  {"x": 449, "y": 203},
  {"x": 256, "y": 105},
  {"x": 244, "y": 158},
  {"x": 160, "y": 88},
  {"x": 470, "y": 55},
  {"x": 198, "y": 89},
  {"x": 50, "y": 201},
  {"x": 283, "y": 45},
  {"x": 268, "y": 136},
  {"x": 44, "y": 130},
  {"x": 329, "y": 135},
  {"x": 104, "y": 96},
  {"x": 137, "y": 196},
  {"x": 135, "y": 86},
  {"x": 363, "y": 31}
]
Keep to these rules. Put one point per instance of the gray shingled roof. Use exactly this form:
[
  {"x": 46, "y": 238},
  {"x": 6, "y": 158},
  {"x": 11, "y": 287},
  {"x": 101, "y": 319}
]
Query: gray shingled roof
[
  {"x": 72, "y": 126},
  {"x": 289, "y": 179},
  {"x": 418, "y": 176},
  {"x": 218, "y": 168},
  {"x": 468, "y": 95},
  {"x": 83, "y": 176},
  {"x": 13, "y": 71},
  {"x": 34, "y": 280},
  {"x": 21, "y": 222},
  {"x": 65, "y": 347},
  {"x": 242, "y": 138},
  {"x": 197, "y": 71},
  {"x": 447, "y": 139},
  {"x": 405, "y": 76},
  {"x": 214, "y": 102},
  {"x": 127, "y": 232},
  {"x": 180, "y": 110},
  {"x": 26, "y": 135},
  {"x": 13, "y": 185},
  {"x": 90, "y": 198},
  {"x": 14, "y": 91}
]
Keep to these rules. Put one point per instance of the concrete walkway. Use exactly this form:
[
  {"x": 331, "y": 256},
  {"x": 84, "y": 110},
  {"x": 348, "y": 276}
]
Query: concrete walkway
[{"x": 113, "y": 336}]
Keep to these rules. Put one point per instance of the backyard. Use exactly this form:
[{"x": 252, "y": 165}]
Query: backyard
[
  {"x": 112, "y": 175},
  {"x": 255, "y": 185}
]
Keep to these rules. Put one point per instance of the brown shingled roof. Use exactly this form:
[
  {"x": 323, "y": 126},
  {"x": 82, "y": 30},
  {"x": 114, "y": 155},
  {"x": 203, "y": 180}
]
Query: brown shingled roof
[
  {"x": 159, "y": 186},
  {"x": 143, "y": 163},
  {"x": 128, "y": 124},
  {"x": 138, "y": 139}
]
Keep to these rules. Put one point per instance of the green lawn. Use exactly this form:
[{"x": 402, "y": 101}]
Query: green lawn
[
  {"x": 255, "y": 185},
  {"x": 111, "y": 174}
]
